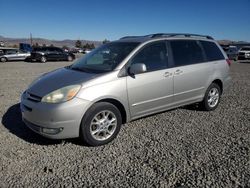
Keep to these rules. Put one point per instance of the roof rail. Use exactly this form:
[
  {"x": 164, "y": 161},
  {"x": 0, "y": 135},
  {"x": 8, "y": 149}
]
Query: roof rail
[
  {"x": 143, "y": 36},
  {"x": 179, "y": 34},
  {"x": 158, "y": 35}
]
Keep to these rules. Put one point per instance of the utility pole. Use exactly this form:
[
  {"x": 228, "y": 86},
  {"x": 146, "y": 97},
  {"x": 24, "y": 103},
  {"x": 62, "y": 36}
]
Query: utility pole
[{"x": 31, "y": 42}]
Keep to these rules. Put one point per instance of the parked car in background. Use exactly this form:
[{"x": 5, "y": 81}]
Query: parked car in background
[
  {"x": 44, "y": 54},
  {"x": 73, "y": 50},
  {"x": 86, "y": 51},
  {"x": 80, "y": 50},
  {"x": 232, "y": 52},
  {"x": 244, "y": 54},
  {"x": 2, "y": 44},
  {"x": 12, "y": 54},
  {"x": 125, "y": 80}
]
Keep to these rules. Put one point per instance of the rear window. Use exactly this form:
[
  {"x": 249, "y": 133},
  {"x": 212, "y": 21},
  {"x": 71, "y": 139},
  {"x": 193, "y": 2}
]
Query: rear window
[
  {"x": 212, "y": 51},
  {"x": 186, "y": 52},
  {"x": 246, "y": 49}
]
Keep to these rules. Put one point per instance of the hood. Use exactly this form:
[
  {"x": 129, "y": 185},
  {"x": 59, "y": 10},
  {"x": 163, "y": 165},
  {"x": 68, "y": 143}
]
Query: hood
[{"x": 57, "y": 79}]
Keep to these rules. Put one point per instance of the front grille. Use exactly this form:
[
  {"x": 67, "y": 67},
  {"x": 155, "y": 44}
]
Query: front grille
[
  {"x": 33, "y": 97},
  {"x": 241, "y": 53},
  {"x": 27, "y": 108}
]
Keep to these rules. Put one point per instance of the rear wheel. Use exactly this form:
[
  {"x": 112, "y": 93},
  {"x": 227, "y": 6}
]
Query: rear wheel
[
  {"x": 212, "y": 97},
  {"x": 101, "y": 124},
  {"x": 3, "y": 59},
  {"x": 70, "y": 58},
  {"x": 43, "y": 59}
]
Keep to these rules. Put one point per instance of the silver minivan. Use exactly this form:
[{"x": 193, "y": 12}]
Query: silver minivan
[{"x": 125, "y": 80}]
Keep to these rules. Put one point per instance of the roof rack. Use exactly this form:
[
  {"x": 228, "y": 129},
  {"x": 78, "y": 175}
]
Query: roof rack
[
  {"x": 129, "y": 37},
  {"x": 180, "y": 34},
  {"x": 158, "y": 35}
]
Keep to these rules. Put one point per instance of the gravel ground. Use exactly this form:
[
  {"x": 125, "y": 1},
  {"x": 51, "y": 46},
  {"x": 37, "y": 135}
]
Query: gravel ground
[{"x": 179, "y": 148}]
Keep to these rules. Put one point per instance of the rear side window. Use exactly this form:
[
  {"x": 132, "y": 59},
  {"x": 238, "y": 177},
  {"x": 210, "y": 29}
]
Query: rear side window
[
  {"x": 212, "y": 51},
  {"x": 186, "y": 52},
  {"x": 11, "y": 52}
]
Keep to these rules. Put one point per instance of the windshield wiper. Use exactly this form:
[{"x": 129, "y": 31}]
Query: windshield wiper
[
  {"x": 68, "y": 67},
  {"x": 77, "y": 69}
]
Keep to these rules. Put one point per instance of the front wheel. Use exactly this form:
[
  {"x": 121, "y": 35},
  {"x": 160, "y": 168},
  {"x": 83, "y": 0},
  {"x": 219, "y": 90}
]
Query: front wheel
[
  {"x": 3, "y": 59},
  {"x": 101, "y": 124},
  {"x": 212, "y": 97},
  {"x": 43, "y": 59}
]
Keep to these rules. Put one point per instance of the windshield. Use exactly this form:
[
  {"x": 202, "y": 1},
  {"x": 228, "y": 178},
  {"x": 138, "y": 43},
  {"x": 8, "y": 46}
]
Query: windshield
[{"x": 105, "y": 58}]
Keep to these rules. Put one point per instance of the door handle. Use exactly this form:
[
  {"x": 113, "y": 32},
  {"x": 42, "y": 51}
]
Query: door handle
[
  {"x": 167, "y": 74},
  {"x": 178, "y": 72}
]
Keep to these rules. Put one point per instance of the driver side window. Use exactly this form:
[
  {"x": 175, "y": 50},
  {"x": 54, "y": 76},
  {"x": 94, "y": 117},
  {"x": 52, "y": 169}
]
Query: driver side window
[{"x": 154, "y": 56}]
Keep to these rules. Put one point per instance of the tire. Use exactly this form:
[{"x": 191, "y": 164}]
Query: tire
[
  {"x": 3, "y": 59},
  {"x": 70, "y": 58},
  {"x": 43, "y": 59},
  {"x": 96, "y": 129},
  {"x": 212, "y": 98}
]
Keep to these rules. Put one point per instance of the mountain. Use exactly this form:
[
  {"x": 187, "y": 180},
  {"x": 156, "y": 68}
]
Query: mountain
[
  {"x": 59, "y": 43},
  {"x": 231, "y": 42}
]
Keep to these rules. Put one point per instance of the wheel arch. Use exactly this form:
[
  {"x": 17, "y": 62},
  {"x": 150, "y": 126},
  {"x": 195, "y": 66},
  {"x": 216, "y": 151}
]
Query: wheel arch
[
  {"x": 5, "y": 58},
  {"x": 119, "y": 105},
  {"x": 219, "y": 83}
]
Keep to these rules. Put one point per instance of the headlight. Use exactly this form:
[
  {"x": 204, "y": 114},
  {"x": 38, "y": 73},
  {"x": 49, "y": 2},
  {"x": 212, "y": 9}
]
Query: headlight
[{"x": 62, "y": 95}]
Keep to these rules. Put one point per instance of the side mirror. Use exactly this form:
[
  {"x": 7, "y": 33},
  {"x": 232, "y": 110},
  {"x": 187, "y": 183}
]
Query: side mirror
[{"x": 137, "y": 68}]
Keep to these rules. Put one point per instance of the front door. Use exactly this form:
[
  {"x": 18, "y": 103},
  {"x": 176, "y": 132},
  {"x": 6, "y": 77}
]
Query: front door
[{"x": 151, "y": 91}]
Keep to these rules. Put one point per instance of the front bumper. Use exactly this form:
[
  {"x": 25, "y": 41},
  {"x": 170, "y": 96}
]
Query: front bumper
[{"x": 56, "y": 121}]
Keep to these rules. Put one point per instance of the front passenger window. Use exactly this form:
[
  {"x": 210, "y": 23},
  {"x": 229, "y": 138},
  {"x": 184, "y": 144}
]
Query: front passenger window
[{"x": 154, "y": 56}]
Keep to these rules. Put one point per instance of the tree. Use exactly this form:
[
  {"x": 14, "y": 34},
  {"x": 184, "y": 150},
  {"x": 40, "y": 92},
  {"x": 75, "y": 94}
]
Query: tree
[
  {"x": 44, "y": 45},
  {"x": 35, "y": 45},
  {"x": 14, "y": 46},
  {"x": 105, "y": 41},
  {"x": 86, "y": 46},
  {"x": 92, "y": 46},
  {"x": 65, "y": 47},
  {"x": 78, "y": 44},
  {"x": 51, "y": 45}
]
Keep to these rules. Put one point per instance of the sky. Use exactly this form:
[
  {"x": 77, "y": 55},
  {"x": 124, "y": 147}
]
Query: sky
[{"x": 112, "y": 19}]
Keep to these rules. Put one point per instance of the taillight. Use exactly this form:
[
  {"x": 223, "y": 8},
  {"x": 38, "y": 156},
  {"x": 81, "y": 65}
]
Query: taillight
[{"x": 228, "y": 62}]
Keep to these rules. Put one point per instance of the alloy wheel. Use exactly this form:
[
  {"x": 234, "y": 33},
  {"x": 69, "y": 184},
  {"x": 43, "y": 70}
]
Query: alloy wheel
[
  {"x": 213, "y": 97},
  {"x": 103, "y": 125}
]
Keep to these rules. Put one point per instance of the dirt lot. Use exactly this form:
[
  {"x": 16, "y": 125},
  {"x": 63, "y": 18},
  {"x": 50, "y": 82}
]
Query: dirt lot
[{"x": 179, "y": 148}]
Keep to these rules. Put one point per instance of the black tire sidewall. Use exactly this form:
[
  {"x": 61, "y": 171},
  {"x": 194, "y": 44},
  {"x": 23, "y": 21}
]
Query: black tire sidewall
[
  {"x": 85, "y": 134},
  {"x": 5, "y": 59},
  {"x": 205, "y": 101}
]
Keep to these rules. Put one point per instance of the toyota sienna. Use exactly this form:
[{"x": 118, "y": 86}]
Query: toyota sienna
[{"x": 124, "y": 80}]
